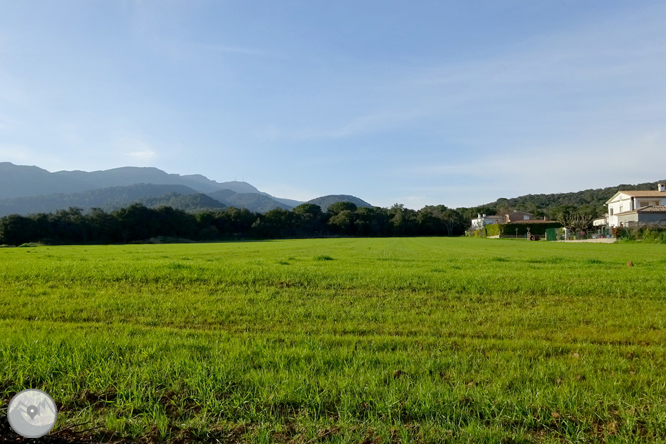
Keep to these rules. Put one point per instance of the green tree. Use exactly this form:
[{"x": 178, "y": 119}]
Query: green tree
[
  {"x": 308, "y": 219},
  {"x": 343, "y": 222},
  {"x": 338, "y": 207}
]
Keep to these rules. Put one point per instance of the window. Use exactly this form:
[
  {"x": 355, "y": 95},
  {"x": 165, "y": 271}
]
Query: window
[{"x": 611, "y": 211}]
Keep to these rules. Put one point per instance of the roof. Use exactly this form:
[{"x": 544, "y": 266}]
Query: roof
[
  {"x": 490, "y": 217},
  {"x": 534, "y": 221},
  {"x": 650, "y": 193},
  {"x": 648, "y": 209},
  {"x": 652, "y": 209},
  {"x": 644, "y": 193}
]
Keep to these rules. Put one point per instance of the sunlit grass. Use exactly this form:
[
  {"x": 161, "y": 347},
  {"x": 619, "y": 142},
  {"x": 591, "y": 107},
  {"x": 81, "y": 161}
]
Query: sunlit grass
[{"x": 342, "y": 340}]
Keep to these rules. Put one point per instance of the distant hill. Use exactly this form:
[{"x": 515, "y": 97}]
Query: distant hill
[
  {"x": 289, "y": 202},
  {"x": 23, "y": 181},
  {"x": 246, "y": 188},
  {"x": 118, "y": 177},
  {"x": 192, "y": 203},
  {"x": 547, "y": 204},
  {"x": 19, "y": 180},
  {"x": 238, "y": 187},
  {"x": 177, "y": 196},
  {"x": 259, "y": 203},
  {"x": 325, "y": 201}
]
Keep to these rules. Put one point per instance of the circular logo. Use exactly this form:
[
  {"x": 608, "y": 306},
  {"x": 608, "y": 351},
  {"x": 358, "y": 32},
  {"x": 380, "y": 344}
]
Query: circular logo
[{"x": 32, "y": 413}]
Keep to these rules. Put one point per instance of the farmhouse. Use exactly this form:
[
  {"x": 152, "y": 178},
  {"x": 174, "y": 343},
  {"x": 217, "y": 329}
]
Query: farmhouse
[
  {"x": 637, "y": 207},
  {"x": 515, "y": 217},
  {"x": 482, "y": 220},
  {"x": 518, "y": 216}
]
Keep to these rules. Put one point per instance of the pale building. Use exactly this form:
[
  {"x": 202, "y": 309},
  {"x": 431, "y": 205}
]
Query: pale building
[
  {"x": 482, "y": 220},
  {"x": 635, "y": 207}
]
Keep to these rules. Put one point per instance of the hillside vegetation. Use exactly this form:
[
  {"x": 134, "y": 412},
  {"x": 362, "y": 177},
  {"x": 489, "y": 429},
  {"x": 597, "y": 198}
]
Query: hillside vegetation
[
  {"x": 109, "y": 199},
  {"x": 551, "y": 205},
  {"x": 424, "y": 340},
  {"x": 258, "y": 203},
  {"x": 325, "y": 201}
]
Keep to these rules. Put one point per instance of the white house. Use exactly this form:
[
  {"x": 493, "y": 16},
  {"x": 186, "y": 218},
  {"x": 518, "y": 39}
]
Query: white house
[
  {"x": 516, "y": 216},
  {"x": 627, "y": 207},
  {"x": 482, "y": 220}
]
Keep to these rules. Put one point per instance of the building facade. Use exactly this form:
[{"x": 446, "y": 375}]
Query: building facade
[
  {"x": 482, "y": 220},
  {"x": 634, "y": 207}
]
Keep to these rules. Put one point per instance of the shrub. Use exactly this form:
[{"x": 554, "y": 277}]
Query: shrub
[
  {"x": 492, "y": 230},
  {"x": 643, "y": 233}
]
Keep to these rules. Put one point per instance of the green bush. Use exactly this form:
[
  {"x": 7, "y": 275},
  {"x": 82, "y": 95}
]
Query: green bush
[
  {"x": 492, "y": 230},
  {"x": 646, "y": 233}
]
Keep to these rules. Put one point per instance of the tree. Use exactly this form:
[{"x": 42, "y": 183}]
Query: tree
[
  {"x": 274, "y": 223},
  {"x": 338, "y": 207},
  {"x": 453, "y": 222},
  {"x": 371, "y": 222},
  {"x": 17, "y": 230},
  {"x": 402, "y": 220},
  {"x": 308, "y": 218},
  {"x": 343, "y": 222},
  {"x": 136, "y": 222},
  {"x": 430, "y": 220},
  {"x": 575, "y": 219}
]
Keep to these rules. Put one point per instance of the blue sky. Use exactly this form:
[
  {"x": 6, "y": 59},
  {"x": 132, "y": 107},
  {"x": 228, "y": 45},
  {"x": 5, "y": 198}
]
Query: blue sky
[{"x": 416, "y": 102}]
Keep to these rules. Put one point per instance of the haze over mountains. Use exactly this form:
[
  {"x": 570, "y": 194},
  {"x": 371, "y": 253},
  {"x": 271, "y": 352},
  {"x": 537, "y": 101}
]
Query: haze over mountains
[{"x": 30, "y": 189}]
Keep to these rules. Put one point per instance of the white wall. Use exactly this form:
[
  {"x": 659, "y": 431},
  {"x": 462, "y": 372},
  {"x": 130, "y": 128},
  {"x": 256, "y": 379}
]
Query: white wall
[{"x": 624, "y": 203}]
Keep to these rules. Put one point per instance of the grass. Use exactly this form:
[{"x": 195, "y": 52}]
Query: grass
[{"x": 423, "y": 340}]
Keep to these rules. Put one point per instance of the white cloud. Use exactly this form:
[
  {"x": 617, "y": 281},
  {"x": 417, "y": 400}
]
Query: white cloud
[
  {"x": 143, "y": 155},
  {"x": 136, "y": 148}
]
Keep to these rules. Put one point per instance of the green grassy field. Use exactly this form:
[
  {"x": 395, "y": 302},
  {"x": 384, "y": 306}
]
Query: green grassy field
[{"x": 424, "y": 340}]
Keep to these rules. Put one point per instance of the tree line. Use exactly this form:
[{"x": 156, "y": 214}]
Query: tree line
[{"x": 137, "y": 223}]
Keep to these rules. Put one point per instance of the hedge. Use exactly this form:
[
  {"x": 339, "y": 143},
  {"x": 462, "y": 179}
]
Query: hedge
[
  {"x": 540, "y": 229},
  {"x": 492, "y": 230}
]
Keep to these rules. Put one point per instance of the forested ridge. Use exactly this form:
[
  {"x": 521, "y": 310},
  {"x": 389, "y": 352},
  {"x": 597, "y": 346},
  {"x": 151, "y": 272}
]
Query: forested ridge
[
  {"x": 138, "y": 223},
  {"x": 590, "y": 202}
]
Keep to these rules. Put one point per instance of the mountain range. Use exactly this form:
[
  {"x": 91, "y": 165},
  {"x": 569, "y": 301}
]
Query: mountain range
[{"x": 30, "y": 189}]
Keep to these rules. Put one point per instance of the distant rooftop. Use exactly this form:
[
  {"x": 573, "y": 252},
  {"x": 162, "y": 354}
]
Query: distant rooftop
[
  {"x": 644, "y": 193},
  {"x": 647, "y": 209}
]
